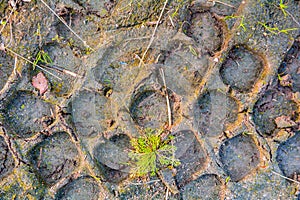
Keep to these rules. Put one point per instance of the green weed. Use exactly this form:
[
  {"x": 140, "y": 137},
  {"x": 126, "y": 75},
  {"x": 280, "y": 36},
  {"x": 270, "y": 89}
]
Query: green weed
[
  {"x": 3, "y": 22},
  {"x": 227, "y": 179},
  {"x": 242, "y": 18},
  {"x": 193, "y": 51},
  {"x": 275, "y": 30},
  {"x": 282, "y": 7},
  {"x": 247, "y": 133},
  {"x": 38, "y": 31},
  {"x": 149, "y": 151},
  {"x": 57, "y": 38},
  {"x": 42, "y": 57}
]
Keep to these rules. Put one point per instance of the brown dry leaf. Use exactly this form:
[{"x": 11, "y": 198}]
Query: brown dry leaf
[
  {"x": 284, "y": 122},
  {"x": 40, "y": 82}
]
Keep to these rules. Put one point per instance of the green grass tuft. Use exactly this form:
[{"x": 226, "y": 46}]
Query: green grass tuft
[{"x": 150, "y": 152}]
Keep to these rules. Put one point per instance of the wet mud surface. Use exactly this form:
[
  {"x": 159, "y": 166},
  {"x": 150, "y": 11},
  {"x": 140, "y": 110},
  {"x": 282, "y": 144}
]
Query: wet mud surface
[{"x": 219, "y": 81}]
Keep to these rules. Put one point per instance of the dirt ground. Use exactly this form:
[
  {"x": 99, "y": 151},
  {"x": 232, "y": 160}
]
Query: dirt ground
[{"x": 81, "y": 79}]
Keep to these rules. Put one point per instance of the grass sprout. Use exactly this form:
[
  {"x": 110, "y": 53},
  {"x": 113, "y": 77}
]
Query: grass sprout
[
  {"x": 42, "y": 57},
  {"x": 242, "y": 18},
  {"x": 149, "y": 152},
  {"x": 282, "y": 7}
]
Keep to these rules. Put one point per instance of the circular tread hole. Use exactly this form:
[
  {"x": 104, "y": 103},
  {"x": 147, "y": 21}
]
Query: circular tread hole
[
  {"x": 26, "y": 114},
  {"x": 206, "y": 187},
  {"x": 241, "y": 69},
  {"x": 82, "y": 188},
  {"x": 54, "y": 158},
  {"x": 270, "y": 108},
  {"x": 288, "y": 156},
  {"x": 191, "y": 155},
  {"x": 214, "y": 111},
  {"x": 112, "y": 157},
  {"x": 149, "y": 109},
  {"x": 239, "y": 156}
]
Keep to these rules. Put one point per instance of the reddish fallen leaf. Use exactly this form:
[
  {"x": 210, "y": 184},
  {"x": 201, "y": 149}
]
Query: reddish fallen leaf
[{"x": 40, "y": 82}]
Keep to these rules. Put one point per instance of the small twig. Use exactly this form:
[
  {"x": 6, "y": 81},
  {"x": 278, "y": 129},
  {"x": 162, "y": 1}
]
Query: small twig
[
  {"x": 155, "y": 194},
  {"x": 62, "y": 70},
  {"x": 10, "y": 28},
  {"x": 11, "y": 34},
  {"x": 137, "y": 38},
  {"x": 167, "y": 194},
  {"x": 15, "y": 67},
  {"x": 138, "y": 57},
  {"x": 223, "y": 3},
  {"x": 149, "y": 182},
  {"x": 167, "y": 97},
  {"x": 171, "y": 20},
  {"x": 11, "y": 146},
  {"x": 40, "y": 158},
  {"x": 63, "y": 21},
  {"x": 153, "y": 34},
  {"x": 293, "y": 18},
  {"x": 41, "y": 68},
  {"x": 285, "y": 177}
]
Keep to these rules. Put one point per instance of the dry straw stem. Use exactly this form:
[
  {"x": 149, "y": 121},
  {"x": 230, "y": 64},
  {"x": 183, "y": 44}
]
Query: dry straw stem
[
  {"x": 149, "y": 182},
  {"x": 65, "y": 71},
  {"x": 167, "y": 97},
  {"x": 153, "y": 34},
  {"x": 285, "y": 177},
  {"x": 8, "y": 18},
  {"x": 167, "y": 194},
  {"x": 293, "y": 18},
  {"x": 63, "y": 21},
  {"x": 220, "y": 2},
  {"x": 41, "y": 68}
]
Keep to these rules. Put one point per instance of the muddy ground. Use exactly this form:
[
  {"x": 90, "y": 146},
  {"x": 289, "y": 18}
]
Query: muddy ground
[{"x": 232, "y": 73}]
